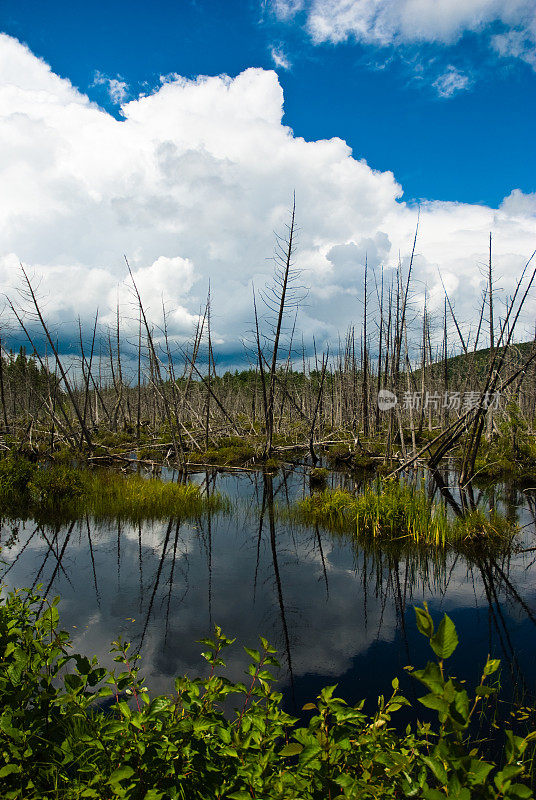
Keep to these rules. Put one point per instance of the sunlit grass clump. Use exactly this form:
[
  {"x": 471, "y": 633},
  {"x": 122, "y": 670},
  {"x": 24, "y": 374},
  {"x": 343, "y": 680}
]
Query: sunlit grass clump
[
  {"x": 63, "y": 491},
  {"x": 395, "y": 511},
  {"x": 476, "y": 527},
  {"x": 134, "y": 497}
]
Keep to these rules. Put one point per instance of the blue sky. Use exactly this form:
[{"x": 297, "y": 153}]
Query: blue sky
[
  {"x": 473, "y": 146},
  {"x": 177, "y": 134}
]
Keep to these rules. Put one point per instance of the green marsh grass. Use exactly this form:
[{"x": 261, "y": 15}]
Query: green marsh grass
[
  {"x": 476, "y": 527},
  {"x": 64, "y": 492},
  {"x": 133, "y": 497},
  {"x": 395, "y": 511}
]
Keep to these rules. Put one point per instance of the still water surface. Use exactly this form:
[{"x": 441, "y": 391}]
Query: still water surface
[{"x": 337, "y": 613}]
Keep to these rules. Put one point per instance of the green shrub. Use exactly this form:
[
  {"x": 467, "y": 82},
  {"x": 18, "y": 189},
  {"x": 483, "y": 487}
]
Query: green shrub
[
  {"x": 54, "y": 485},
  {"x": 55, "y": 742},
  {"x": 15, "y": 474}
]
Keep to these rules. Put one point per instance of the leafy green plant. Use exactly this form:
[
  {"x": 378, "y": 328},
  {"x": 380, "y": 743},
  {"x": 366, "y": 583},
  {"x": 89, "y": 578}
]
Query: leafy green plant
[{"x": 57, "y": 741}]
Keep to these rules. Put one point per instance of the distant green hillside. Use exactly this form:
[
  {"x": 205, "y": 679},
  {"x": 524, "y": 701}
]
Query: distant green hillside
[{"x": 477, "y": 363}]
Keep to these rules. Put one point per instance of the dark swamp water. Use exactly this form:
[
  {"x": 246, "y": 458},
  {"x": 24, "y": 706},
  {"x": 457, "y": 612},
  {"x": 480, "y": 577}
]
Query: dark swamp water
[{"x": 337, "y": 613}]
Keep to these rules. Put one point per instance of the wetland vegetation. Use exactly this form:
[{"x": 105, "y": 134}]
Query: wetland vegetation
[
  {"x": 56, "y": 741},
  {"x": 399, "y": 512},
  {"x": 409, "y": 386},
  {"x": 312, "y": 496},
  {"x": 62, "y": 491},
  {"x": 163, "y": 584}
]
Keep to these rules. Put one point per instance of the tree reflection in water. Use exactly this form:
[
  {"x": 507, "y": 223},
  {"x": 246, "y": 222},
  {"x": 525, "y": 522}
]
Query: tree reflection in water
[{"x": 336, "y": 609}]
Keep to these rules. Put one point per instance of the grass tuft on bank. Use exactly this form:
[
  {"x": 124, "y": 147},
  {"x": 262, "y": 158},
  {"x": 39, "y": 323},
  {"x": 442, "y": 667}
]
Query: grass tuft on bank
[
  {"x": 395, "y": 511},
  {"x": 63, "y": 492}
]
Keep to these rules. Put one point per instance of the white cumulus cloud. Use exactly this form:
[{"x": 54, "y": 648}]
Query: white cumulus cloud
[
  {"x": 191, "y": 185},
  {"x": 402, "y": 22}
]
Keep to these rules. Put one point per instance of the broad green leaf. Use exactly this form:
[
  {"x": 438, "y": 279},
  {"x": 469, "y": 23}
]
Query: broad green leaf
[
  {"x": 82, "y": 664},
  {"x": 158, "y": 705},
  {"x": 124, "y": 708},
  {"x": 510, "y": 771},
  {"x": 433, "y": 794},
  {"x": 254, "y": 654},
  {"x": 346, "y": 781},
  {"x": 425, "y": 623},
  {"x": 327, "y": 692},
  {"x": 50, "y": 618},
  {"x": 309, "y": 753},
  {"x": 229, "y": 751},
  {"x": 120, "y": 774},
  {"x": 520, "y": 790},
  {"x": 73, "y": 682},
  {"x": 437, "y": 768},
  {"x": 484, "y": 691},
  {"x": 492, "y": 666},
  {"x": 9, "y": 649},
  {"x": 224, "y": 734},
  {"x": 434, "y": 702},
  {"x": 292, "y": 749},
  {"x": 17, "y": 666},
  {"x": 445, "y": 641},
  {"x": 431, "y": 677},
  {"x": 9, "y": 769},
  {"x": 479, "y": 770}
]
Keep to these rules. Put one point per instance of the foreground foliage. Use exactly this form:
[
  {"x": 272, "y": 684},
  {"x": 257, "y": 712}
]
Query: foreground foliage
[
  {"x": 63, "y": 491},
  {"x": 57, "y": 740}
]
